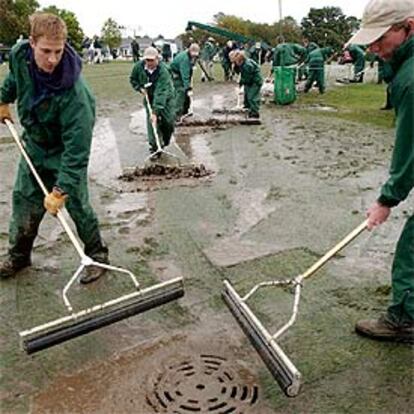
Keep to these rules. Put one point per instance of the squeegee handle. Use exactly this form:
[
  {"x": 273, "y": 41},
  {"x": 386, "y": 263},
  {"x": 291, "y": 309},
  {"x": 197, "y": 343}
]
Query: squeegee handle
[
  {"x": 60, "y": 216},
  {"x": 344, "y": 242},
  {"x": 150, "y": 112}
]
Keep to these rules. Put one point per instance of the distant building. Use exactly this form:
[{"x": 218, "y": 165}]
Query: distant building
[{"x": 125, "y": 51}]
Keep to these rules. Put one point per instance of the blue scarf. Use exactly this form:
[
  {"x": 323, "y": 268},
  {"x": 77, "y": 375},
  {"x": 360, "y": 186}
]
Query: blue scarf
[{"x": 62, "y": 78}]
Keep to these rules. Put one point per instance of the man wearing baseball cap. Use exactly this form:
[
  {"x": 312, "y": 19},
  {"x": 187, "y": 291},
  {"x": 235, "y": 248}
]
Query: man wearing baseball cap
[
  {"x": 388, "y": 29},
  {"x": 153, "y": 77}
]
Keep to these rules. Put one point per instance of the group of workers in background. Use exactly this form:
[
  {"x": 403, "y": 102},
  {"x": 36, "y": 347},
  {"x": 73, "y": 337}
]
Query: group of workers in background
[{"x": 168, "y": 82}]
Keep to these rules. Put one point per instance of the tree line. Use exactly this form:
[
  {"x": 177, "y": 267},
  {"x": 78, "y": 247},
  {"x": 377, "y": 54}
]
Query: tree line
[{"x": 325, "y": 26}]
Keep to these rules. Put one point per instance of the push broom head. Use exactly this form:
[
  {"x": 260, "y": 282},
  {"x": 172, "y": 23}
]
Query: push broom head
[
  {"x": 82, "y": 322},
  {"x": 280, "y": 366}
]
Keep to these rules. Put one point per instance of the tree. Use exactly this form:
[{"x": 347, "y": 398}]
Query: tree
[
  {"x": 75, "y": 32},
  {"x": 14, "y": 19},
  {"x": 329, "y": 26},
  {"x": 111, "y": 33},
  {"x": 255, "y": 31}
]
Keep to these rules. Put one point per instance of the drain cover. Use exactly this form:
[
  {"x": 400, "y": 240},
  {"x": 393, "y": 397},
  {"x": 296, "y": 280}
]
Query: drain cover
[{"x": 204, "y": 384}]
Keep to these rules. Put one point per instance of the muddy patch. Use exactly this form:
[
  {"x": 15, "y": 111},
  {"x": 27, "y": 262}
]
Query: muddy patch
[
  {"x": 228, "y": 119},
  {"x": 156, "y": 176},
  {"x": 182, "y": 375}
]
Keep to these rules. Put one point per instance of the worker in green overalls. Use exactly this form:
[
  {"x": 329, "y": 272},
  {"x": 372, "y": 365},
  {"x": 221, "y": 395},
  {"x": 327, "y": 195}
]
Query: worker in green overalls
[
  {"x": 153, "y": 77},
  {"x": 388, "y": 29},
  {"x": 57, "y": 112},
  {"x": 182, "y": 72},
  {"x": 251, "y": 80}
]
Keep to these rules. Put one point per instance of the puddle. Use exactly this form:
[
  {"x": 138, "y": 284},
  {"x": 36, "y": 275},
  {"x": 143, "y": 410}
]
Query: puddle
[
  {"x": 105, "y": 163},
  {"x": 322, "y": 108},
  {"x": 235, "y": 249},
  {"x": 201, "y": 152}
]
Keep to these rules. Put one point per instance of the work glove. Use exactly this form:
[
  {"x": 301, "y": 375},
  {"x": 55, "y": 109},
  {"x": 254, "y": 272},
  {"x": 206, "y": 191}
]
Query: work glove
[
  {"x": 190, "y": 92},
  {"x": 5, "y": 113},
  {"x": 54, "y": 201}
]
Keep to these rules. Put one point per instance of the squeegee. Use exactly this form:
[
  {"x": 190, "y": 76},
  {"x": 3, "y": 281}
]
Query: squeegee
[
  {"x": 159, "y": 151},
  {"x": 77, "y": 323},
  {"x": 279, "y": 364}
]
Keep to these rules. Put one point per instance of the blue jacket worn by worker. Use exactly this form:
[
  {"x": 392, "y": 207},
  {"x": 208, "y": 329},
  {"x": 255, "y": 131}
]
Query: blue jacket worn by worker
[
  {"x": 316, "y": 63},
  {"x": 401, "y": 181},
  {"x": 251, "y": 79},
  {"x": 181, "y": 69},
  {"x": 161, "y": 96},
  {"x": 57, "y": 113}
]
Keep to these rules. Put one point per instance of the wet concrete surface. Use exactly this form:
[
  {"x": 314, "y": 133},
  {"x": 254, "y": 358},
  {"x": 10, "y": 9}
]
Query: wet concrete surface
[{"x": 282, "y": 194}]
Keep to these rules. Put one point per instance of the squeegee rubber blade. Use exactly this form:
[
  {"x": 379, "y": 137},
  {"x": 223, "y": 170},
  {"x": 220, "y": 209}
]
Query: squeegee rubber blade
[
  {"x": 288, "y": 381},
  {"x": 99, "y": 319}
]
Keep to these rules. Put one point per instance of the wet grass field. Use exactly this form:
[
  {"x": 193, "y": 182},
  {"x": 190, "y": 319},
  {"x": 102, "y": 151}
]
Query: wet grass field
[{"x": 282, "y": 194}]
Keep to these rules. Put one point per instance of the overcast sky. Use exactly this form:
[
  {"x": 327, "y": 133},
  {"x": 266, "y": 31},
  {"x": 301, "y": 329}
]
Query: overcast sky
[{"x": 169, "y": 17}]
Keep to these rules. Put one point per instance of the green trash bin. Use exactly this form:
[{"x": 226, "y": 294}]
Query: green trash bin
[{"x": 285, "y": 90}]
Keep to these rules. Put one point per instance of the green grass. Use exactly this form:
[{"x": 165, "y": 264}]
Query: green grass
[{"x": 358, "y": 103}]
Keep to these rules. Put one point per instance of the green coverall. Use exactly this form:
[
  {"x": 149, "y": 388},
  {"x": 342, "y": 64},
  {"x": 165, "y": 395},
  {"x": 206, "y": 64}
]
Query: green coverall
[
  {"x": 316, "y": 61},
  {"x": 58, "y": 135},
  {"x": 181, "y": 69},
  {"x": 252, "y": 80},
  {"x": 300, "y": 53},
  {"x": 161, "y": 95},
  {"x": 358, "y": 57},
  {"x": 207, "y": 54},
  {"x": 283, "y": 55},
  {"x": 303, "y": 71},
  {"x": 401, "y": 181}
]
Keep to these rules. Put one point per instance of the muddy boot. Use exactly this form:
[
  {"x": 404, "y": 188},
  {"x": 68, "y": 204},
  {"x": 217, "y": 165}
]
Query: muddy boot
[
  {"x": 384, "y": 329},
  {"x": 93, "y": 273},
  {"x": 9, "y": 267}
]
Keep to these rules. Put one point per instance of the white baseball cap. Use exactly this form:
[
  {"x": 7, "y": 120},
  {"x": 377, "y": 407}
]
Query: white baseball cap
[
  {"x": 379, "y": 16},
  {"x": 150, "y": 53}
]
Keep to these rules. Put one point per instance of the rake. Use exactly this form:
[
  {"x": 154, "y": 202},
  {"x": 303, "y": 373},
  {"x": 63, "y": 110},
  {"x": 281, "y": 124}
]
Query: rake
[
  {"x": 81, "y": 322},
  {"x": 281, "y": 367}
]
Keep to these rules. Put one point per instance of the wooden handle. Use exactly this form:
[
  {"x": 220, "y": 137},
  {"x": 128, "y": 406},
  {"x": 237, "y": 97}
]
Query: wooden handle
[{"x": 344, "y": 242}]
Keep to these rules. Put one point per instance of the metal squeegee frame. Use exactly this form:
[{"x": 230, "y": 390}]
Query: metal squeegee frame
[
  {"x": 291, "y": 381},
  {"x": 85, "y": 262}
]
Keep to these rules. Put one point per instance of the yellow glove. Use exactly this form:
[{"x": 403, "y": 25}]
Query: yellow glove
[
  {"x": 54, "y": 201},
  {"x": 5, "y": 112}
]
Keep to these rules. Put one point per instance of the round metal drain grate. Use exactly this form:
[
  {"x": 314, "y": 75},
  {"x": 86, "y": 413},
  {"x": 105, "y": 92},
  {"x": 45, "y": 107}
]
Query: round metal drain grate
[{"x": 204, "y": 384}]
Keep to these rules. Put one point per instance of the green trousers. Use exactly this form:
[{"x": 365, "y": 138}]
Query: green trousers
[
  {"x": 402, "y": 308},
  {"x": 316, "y": 75},
  {"x": 165, "y": 127},
  {"x": 303, "y": 72},
  {"x": 28, "y": 211},
  {"x": 252, "y": 98},
  {"x": 182, "y": 101}
]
